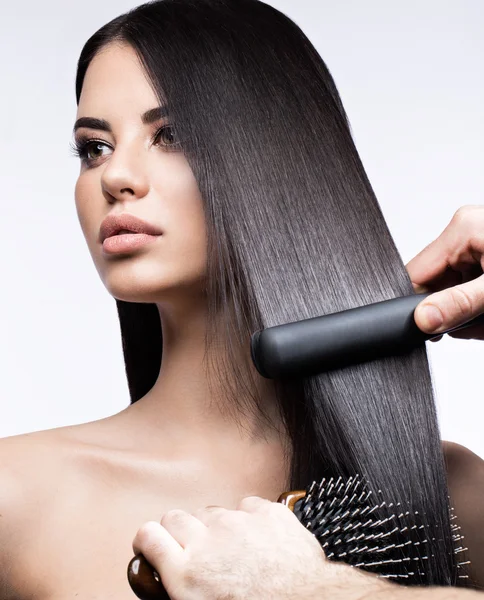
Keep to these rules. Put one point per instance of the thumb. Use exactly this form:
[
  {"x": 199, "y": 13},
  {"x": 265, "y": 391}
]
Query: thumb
[
  {"x": 451, "y": 307},
  {"x": 161, "y": 550}
]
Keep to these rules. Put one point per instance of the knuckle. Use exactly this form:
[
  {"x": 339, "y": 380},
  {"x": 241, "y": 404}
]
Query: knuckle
[
  {"x": 153, "y": 548},
  {"x": 175, "y": 515},
  {"x": 467, "y": 214},
  {"x": 463, "y": 301},
  {"x": 144, "y": 537},
  {"x": 252, "y": 503}
]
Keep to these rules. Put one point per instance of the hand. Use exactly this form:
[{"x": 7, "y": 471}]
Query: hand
[
  {"x": 260, "y": 550},
  {"x": 455, "y": 258}
]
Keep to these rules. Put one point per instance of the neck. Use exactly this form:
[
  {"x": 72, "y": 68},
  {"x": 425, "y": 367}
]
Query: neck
[{"x": 189, "y": 400}]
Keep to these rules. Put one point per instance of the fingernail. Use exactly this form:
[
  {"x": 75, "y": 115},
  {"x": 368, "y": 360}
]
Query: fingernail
[{"x": 432, "y": 317}]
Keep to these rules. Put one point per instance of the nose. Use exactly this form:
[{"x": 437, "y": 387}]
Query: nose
[{"x": 124, "y": 176}]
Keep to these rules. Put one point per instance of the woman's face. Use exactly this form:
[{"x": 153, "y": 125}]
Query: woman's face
[{"x": 136, "y": 169}]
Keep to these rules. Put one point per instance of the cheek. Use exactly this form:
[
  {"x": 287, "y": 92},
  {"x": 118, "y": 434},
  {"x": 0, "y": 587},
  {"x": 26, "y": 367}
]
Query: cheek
[
  {"x": 185, "y": 217},
  {"x": 86, "y": 208}
]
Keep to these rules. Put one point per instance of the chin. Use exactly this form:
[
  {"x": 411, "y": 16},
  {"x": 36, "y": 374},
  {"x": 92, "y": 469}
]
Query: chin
[
  {"x": 148, "y": 286},
  {"x": 140, "y": 282}
]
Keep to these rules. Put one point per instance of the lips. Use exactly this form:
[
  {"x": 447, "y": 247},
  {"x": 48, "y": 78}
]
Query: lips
[{"x": 113, "y": 224}]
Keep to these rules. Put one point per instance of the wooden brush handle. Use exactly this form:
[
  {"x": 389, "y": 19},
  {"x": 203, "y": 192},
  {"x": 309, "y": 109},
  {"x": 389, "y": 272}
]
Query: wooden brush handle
[
  {"x": 290, "y": 498},
  {"x": 146, "y": 582}
]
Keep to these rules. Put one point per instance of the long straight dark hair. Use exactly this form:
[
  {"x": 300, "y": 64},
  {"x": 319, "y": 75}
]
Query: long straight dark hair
[{"x": 294, "y": 231}]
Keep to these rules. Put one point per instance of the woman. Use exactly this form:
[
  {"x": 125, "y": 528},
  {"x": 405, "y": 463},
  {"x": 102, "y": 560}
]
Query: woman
[{"x": 261, "y": 213}]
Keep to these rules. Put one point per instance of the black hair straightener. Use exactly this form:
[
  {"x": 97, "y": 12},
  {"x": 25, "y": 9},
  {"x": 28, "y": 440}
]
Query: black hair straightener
[{"x": 320, "y": 344}]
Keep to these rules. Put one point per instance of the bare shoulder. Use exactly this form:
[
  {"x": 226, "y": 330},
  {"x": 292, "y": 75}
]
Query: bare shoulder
[
  {"x": 462, "y": 462},
  {"x": 465, "y": 475},
  {"x": 25, "y": 462},
  {"x": 28, "y": 463}
]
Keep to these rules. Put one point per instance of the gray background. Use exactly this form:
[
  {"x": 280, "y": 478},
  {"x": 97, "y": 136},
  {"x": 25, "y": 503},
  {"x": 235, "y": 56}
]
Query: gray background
[{"x": 411, "y": 78}]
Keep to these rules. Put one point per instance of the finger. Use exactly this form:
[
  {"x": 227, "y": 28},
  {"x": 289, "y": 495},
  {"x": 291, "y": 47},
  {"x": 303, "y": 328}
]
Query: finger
[
  {"x": 159, "y": 548},
  {"x": 182, "y": 526},
  {"x": 269, "y": 510},
  {"x": 452, "y": 307},
  {"x": 448, "y": 278},
  {"x": 420, "y": 289},
  {"x": 209, "y": 514},
  {"x": 254, "y": 504},
  {"x": 432, "y": 261},
  {"x": 459, "y": 247}
]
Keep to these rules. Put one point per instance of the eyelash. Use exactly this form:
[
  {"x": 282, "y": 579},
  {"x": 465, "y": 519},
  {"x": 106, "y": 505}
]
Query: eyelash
[{"x": 80, "y": 146}]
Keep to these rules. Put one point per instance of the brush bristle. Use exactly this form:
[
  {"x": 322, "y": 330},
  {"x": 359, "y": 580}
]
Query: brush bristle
[{"x": 354, "y": 526}]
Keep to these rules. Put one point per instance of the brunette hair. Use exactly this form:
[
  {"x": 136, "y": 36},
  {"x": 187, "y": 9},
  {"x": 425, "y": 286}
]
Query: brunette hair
[{"x": 294, "y": 231}]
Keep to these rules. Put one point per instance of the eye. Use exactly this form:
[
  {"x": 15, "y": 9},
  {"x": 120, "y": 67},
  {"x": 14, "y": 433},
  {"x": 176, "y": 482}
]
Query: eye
[
  {"x": 88, "y": 150},
  {"x": 167, "y": 135},
  {"x": 94, "y": 150}
]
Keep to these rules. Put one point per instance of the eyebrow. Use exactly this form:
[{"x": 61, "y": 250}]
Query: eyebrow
[{"x": 150, "y": 116}]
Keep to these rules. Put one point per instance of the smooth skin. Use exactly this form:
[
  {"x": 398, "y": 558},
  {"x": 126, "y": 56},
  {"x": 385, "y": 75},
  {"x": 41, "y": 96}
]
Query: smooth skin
[{"x": 72, "y": 498}]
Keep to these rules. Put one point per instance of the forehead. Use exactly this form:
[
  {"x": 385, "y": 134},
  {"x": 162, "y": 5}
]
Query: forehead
[{"x": 115, "y": 82}]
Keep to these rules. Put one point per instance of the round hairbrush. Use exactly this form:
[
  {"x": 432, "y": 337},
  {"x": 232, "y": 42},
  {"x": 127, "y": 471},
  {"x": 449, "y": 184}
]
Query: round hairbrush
[{"x": 352, "y": 526}]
